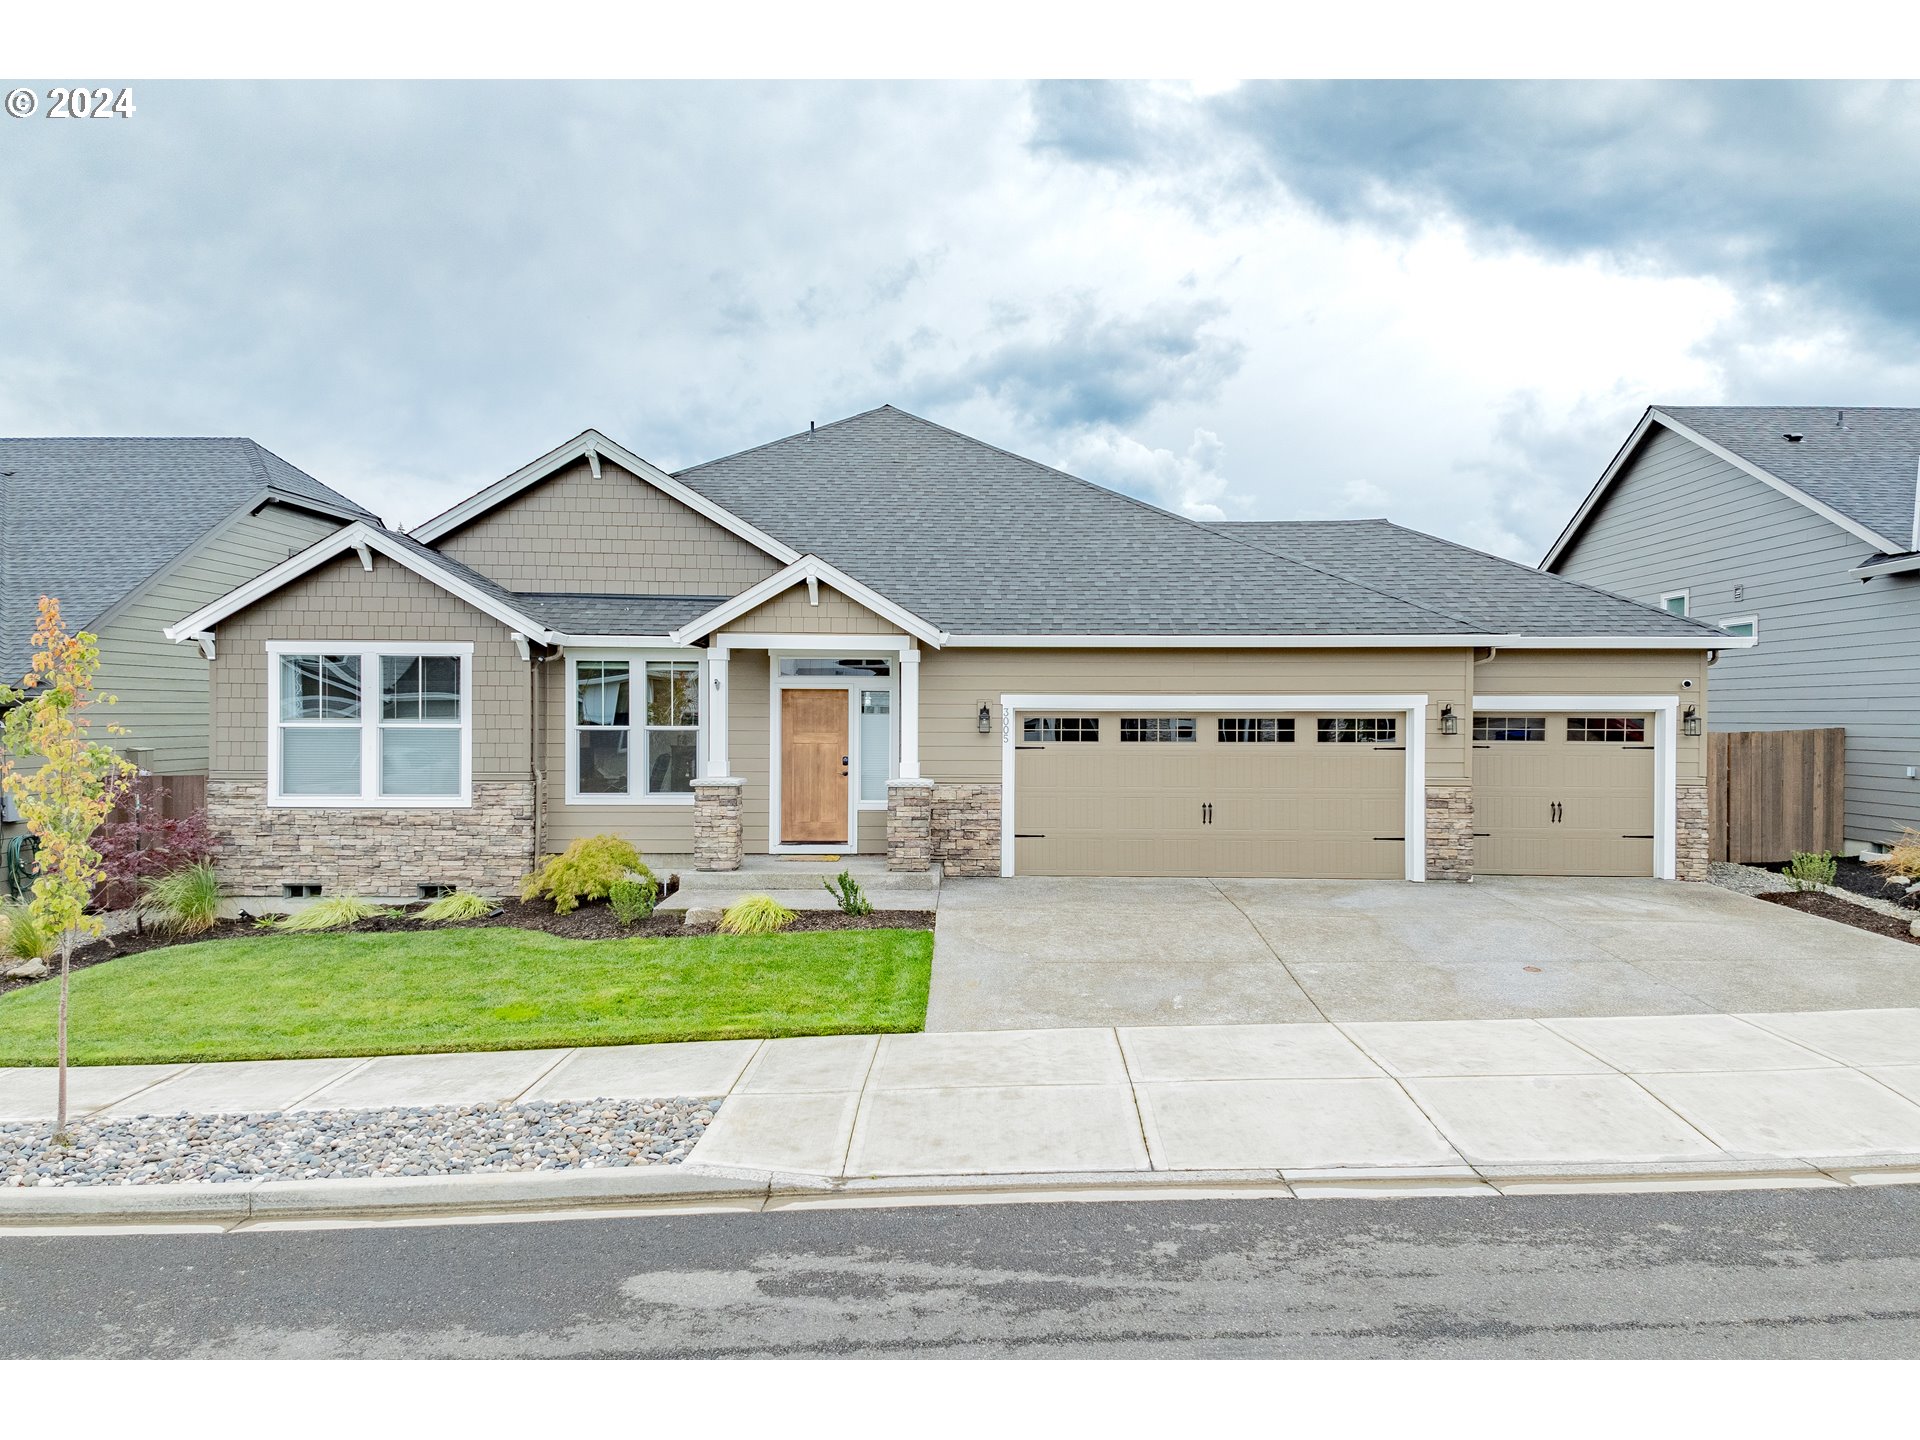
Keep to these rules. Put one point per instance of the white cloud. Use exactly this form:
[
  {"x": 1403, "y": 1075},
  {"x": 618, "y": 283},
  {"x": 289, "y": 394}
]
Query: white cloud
[{"x": 1190, "y": 483}]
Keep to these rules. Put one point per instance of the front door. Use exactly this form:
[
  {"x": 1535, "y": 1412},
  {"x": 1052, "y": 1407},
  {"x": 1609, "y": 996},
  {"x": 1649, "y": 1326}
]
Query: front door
[{"x": 813, "y": 767}]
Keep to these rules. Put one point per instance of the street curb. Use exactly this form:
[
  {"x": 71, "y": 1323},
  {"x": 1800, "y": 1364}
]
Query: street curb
[{"x": 240, "y": 1203}]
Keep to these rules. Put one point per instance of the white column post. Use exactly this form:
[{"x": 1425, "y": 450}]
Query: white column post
[
  {"x": 716, "y": 712},
  {"x": 909, "y": 714}
]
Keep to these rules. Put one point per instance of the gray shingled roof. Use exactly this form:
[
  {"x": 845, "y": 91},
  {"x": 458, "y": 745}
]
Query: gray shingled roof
[
  {"x": 1862, "y": 463},
  {"x": 89, "y": 520},
  {"x": 979, "y": 541},
  {"x": 1502, "y": 597}
]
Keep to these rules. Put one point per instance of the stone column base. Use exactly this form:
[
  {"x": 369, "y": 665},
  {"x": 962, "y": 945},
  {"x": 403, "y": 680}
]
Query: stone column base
[
  {"x": 717, "y": 843},
  {"x": 966, "y": 828},
  {"x": 1690, "y": 832},
  {"x": 1449, "y": 832},
  {"x": 909, "y": 824}
]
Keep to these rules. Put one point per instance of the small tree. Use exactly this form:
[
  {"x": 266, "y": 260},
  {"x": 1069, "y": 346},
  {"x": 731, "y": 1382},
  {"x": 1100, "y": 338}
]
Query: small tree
[{"x": 67, "y": 797}]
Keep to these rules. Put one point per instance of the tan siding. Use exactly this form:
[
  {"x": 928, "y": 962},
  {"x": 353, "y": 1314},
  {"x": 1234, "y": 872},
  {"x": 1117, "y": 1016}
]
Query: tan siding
[
  {"x": 1607, "y": 672},
  {"x": 162, "y": 687},
  {"x": 615, "y": 535},
  {"x": 793, "y": 614},
  {"x": 955, "y": 683},
  {"x": 341, "y": 602}
]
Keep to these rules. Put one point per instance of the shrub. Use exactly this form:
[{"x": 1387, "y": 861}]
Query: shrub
[
  {"x": 335, "y": 912},
  {"x": 21, "y": 935},
  {"x": 586, "y": 870},
  {"x": 1901, "y": 865},
  {"x": 846, "y": 894},
  {"x": 457, "y": 905},
  {"x": 187, "y": 902},
  {"x": 756, "y": 915},
  {"x": 138, "y": 843},
  {"x": 1809, "y": 872},
  {"x": 633, "y": 897}
]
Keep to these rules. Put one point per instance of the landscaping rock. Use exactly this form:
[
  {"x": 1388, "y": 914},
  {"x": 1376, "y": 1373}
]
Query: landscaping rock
[
  {"x": 1913, "y": 929},
  {"x": 28, "y": 970},
  {"x": 703, "y": 915},
  {"x": 349, "y": 1144}
]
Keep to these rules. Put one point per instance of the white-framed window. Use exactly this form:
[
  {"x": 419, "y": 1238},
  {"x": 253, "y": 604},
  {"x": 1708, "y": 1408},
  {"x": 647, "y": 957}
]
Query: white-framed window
[
  {"x": 1677, "y": 602},
  {"x": 633, "y": 727},
  {"x": 357, "y": 723},
  {"x": 1745, "y": 626}
]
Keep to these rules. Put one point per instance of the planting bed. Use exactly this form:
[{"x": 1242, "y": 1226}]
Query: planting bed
[{"x": 1831, "y": 907}]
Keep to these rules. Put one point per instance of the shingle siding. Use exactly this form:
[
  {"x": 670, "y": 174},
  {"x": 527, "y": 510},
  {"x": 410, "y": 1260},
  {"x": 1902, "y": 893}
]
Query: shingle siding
[{"x": 1832, "y": 651}]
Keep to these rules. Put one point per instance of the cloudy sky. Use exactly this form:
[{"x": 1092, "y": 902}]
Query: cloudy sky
[{"x": 1445, "y": 303}]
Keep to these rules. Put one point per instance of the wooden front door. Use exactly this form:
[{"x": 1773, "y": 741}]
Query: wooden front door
[{"x": 813, "y": 767}]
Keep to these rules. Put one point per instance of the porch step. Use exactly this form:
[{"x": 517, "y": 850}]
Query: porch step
[
  {"x": 764, "y": 874},
  {"x": 720, "y": 897}
]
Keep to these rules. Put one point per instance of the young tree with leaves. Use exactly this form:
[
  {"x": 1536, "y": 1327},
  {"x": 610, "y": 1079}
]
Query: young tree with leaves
[{"x": 64, "y": 800}]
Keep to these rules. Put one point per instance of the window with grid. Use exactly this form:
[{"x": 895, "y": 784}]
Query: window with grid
[
  {"x": 1255, "y": 729},
  {"x": 1164, "y": 728},
  {"x": 1607, "y": 729},
  {"x": 1510, "y": 727},
  {"x": 654, "y": 752},
  {"x": 406, "y": 743},
  {"x": 1059, "y": 729},
  {"x": 1358, "y": 729}
]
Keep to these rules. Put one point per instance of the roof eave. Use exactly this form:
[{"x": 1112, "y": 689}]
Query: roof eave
[{"x": 1704, "y": 641}]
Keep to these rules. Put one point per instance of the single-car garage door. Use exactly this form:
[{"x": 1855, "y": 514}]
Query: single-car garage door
[
  {"x": 1563, "y": 794},
  {"x": 1210, "y": 794}
]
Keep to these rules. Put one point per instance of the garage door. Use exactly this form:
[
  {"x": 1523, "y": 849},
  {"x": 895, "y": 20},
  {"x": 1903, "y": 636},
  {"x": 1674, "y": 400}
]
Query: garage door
[
  {"x": 1210, "y": 794},
  {"x": 1563, "y": 794}
]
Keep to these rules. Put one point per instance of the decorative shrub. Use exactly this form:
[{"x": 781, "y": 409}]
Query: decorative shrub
[
  {"x": 335, "y": 912},
  {"x": 138, "y": 843},
  {"x": 187, "y": 902},
  {"x": 21, "y": 937},
  {"x": 1809, "y": 871},
  {"x": 1901, "y": 865},
  {"x": 756, "y": 915},
  {"x": 457, "y": 905},
  {"x": 846, "y": 894},
  {"x": 586, "y": 870},
  {"x": 633, "y": 897}
]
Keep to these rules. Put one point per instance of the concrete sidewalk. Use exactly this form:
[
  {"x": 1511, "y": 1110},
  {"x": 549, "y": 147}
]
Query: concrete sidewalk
[{"x": 1449, "y": 1102}]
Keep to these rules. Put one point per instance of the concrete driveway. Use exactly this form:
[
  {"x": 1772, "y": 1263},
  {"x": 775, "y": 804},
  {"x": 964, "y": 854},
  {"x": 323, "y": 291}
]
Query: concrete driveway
[{"x": 1041, "y": 953}]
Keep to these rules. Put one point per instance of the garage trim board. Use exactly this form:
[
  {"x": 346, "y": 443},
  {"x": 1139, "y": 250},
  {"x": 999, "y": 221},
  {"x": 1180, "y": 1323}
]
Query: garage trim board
[
  {"x": 1413, "y": 709},
  {"x": 1665, "y": 710}
]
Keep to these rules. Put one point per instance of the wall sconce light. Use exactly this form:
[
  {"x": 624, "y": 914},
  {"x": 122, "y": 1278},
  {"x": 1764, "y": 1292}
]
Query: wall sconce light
[
  {"x": 986, "y": 719},
  {"x": 1690, "y": 723},
  {"x": 1449, "y": 722}
]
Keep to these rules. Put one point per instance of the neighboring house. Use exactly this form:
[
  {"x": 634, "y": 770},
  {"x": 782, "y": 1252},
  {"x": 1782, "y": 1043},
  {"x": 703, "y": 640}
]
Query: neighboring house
[
  {"x": 128, "y": 534},
  {"x": 885, "y": 637},
  {"x": 1798, "y": 528}
]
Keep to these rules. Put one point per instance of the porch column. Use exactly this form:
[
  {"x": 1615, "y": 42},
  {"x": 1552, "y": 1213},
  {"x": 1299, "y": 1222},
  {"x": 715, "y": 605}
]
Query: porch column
[
  {"x": 716, "y": 713},
  {"x": 909, "y": 714}
]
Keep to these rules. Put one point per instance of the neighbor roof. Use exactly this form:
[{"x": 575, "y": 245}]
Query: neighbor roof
[
  {"x": 1500, "y": 596},
  {"x": 90, "y": 520}
]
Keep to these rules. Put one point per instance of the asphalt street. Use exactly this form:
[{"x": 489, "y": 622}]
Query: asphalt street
[{"x": 1813, "y": 1273}]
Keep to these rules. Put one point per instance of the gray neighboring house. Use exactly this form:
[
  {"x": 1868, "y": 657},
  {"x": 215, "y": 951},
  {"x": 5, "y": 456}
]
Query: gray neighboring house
[
  {"x": 130, "y": 533},
  {"x": 1797, "y": 526}
]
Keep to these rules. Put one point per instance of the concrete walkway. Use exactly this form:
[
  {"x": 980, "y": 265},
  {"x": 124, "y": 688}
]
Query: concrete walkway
[
  {"x": 1451, "y": 1103},
  {"x": 1042, "y": 953}
]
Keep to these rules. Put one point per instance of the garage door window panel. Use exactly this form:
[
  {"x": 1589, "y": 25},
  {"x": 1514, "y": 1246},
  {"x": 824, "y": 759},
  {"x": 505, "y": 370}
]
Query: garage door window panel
[
  {"x": 1510, "y": 728},
  {"x": 1255, "y": 730},
  {"x": 1161, "y": 729},
  {"x": 1607, "y": 729},
  {"x": 1060, "y": 729},
  {"x": 1358, "y": 729}
]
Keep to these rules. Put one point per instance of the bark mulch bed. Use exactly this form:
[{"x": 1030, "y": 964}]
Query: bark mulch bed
[
  {"x": 591, "y": 921},
  {"x": 1863, "y": 879},
  {"x": 1831, "y": 907}
]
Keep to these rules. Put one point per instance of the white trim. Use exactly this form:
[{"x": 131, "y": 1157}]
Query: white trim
[
  {"x": 1666, "y": 762},
  {"x": 591, "y": 446},
  {"x": 1906, "y": 565},
  {"x": 1685, "y": 597},
  {"x": 204, "y": 639},
  {"x": 907, "y": 731},
  {"x": 794, "y": 646},
  {"x": 358, "y": 537},
  {"x": 369, "y": 653},
  {"x": 1753, "y": 620},
  {"x": 811, "y": 569},
  {"x": 1702, "y": 641},
  {"x": 852, "y": 684},
  {"x": 714, "y": 716},
  {"x": 1627, "y": 451},
  {"x": 1412, "y": 707},
  {"x": 636, "y": 725}
]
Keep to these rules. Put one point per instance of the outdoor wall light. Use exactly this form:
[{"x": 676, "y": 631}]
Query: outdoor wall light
[
  {"x": 986, "y": 720},
  {"x": 1449, "y": 722},
  {"x": 1690, "y": 723}
]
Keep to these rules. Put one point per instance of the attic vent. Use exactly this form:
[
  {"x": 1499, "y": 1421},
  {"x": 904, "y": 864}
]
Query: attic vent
[{"x": 1793, "y": 437}]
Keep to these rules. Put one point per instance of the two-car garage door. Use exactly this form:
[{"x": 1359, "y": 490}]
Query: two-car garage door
[{"x": 1210, "y": 794}]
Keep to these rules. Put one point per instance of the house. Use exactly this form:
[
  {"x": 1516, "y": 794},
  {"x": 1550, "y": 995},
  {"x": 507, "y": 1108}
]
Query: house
[
  {"x": 1798, "y": 529},
  {"x": 885, "y": 637},
  {"x": 128, "y": 534}
]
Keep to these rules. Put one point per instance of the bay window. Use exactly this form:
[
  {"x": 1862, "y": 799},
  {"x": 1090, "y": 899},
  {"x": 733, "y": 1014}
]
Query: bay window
[
  {"x": 633, "y": 732},
  {"x": 331, "y": 742}
]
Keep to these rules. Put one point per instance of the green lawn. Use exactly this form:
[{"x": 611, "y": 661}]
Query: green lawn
[{"x": 283, "y": 996}]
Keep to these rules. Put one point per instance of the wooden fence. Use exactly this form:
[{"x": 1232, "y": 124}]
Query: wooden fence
[
  {"x": 177, "y": 795},
  {"x": 1772, "y": 793}
]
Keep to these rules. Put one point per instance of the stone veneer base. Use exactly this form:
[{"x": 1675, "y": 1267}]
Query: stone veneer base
[
  {"x": 1449, "y": 832},
  {"x": 1690, "y": 831},
  {"x": 966, "y": 828},
  {"x": 487, "y": 846},
  {"x": 717, "y": 840}
]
